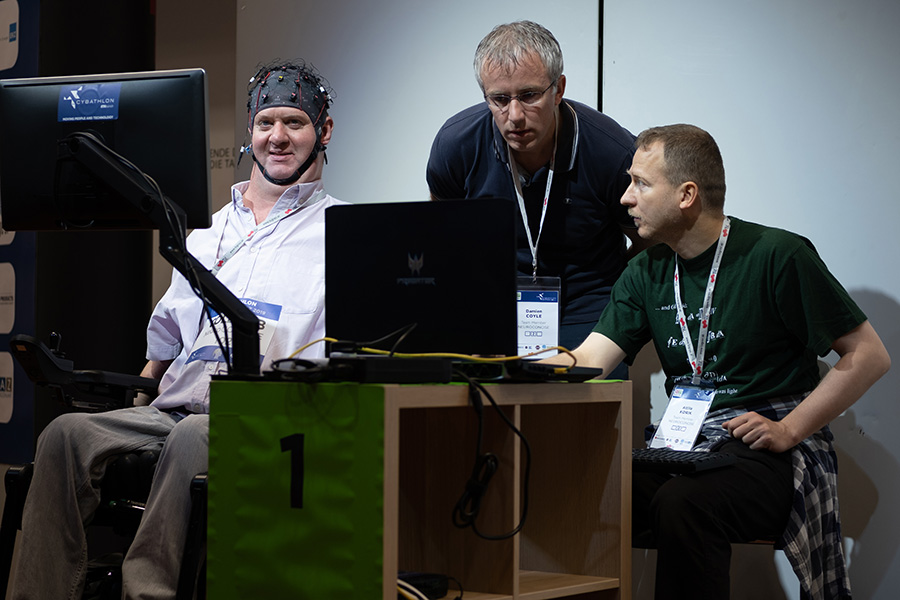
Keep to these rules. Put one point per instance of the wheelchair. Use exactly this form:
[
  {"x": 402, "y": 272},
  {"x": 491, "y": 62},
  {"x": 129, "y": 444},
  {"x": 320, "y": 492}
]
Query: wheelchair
[{"x": 125, "y": 486}]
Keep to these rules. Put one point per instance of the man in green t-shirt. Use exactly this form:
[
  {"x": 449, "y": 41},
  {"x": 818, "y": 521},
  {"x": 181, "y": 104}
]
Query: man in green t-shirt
[{"x": 744, "y": 310}]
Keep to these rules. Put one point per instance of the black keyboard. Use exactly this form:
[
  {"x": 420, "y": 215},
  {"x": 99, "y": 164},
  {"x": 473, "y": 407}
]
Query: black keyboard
[{"x": 667, "y": 460}]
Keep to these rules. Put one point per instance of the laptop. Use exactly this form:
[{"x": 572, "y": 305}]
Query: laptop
[{"x": 421, "y": 277}]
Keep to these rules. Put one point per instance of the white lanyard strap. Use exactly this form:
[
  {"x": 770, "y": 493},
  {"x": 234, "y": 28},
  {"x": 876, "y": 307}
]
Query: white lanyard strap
[
  {"x": 533, "y": 245},
  {"x": 697, "y": 358},
  {"x": 271, "y": 221}
]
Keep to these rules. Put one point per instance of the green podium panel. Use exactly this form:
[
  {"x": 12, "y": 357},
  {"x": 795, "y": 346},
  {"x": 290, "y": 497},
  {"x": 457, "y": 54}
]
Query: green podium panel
[{"x": 296, "y": 489}]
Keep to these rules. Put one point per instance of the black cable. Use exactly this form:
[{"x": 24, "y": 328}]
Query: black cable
[
  {"x": 401, "y": 331},
  {"x": 467, "y": 508},
  {"x": 459, "y": 585},
  {"x": 299, "y": 369},
  {"x": 180, "y": 238},
  {"x": 469, "y": 504}
]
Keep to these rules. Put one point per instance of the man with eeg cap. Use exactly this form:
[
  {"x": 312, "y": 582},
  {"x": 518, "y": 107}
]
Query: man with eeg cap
[
  {"x": 288, "y": 85},
  {"x": 267, "y": 246}
]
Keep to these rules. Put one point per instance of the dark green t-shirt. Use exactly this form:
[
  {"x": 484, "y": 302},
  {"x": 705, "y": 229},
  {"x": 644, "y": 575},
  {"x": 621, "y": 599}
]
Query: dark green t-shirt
[{"x": 775, "y": 308}]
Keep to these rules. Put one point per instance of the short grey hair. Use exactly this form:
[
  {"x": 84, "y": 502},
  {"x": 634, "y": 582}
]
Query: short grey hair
[{"x": 507, "y": 45}]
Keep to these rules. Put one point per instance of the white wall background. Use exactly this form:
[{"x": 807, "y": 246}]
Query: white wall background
[
  {"x": 399, "y": 68},
  {"x": 802, "y": 96}
]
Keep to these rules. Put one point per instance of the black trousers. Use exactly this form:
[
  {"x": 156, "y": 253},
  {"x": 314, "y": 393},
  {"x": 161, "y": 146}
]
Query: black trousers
[{"x": 692, "y": 519}]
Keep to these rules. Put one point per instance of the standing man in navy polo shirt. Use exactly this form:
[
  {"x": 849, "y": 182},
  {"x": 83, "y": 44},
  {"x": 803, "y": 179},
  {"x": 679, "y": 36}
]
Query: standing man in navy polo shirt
[{"x": 562, "y": 161}]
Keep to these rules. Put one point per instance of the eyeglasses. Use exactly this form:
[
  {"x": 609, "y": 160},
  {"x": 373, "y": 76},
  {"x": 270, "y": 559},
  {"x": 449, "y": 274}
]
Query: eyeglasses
[{"x": 501, "y": 101}]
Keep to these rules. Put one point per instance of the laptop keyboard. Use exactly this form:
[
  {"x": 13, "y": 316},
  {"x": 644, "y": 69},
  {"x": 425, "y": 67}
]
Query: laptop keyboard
[{"x": 667, "y": 460}]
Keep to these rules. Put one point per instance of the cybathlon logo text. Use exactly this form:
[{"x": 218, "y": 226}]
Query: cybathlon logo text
[{"x": 98, "y": 102}]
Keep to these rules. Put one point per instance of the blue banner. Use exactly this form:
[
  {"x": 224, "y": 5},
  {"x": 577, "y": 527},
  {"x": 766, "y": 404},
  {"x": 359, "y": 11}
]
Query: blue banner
[{"x": 19, "y": 37}]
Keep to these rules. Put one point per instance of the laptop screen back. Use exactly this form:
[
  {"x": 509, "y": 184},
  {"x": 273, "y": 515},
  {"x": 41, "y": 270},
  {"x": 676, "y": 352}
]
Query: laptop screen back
[{"x": 448, "y": 267}]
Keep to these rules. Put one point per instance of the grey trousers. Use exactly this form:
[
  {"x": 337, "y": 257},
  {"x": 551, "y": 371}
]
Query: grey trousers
[{"x": 72, "y": 455}]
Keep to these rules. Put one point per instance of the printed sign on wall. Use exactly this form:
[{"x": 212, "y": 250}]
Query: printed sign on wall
[{"x": 18, "y": 58}]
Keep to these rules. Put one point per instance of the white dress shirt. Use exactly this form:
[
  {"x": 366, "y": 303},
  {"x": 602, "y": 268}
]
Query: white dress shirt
[{"x": 282, "y": 265}]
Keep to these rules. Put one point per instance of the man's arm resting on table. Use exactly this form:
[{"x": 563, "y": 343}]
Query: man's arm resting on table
[
  {"x": 595, "y": 351},
  {"x": 863, "y": 360}
]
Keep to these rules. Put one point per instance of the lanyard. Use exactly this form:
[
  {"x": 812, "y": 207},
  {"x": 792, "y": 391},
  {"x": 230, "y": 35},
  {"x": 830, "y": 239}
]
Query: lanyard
[
  {"x": 696, "y": 358},
  {"x": 533, "y": 245},
  {"x": 269, "y": 222}
]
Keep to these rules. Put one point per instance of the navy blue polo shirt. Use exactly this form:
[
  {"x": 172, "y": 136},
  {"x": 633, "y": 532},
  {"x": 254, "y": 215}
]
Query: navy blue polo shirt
[{"x": 582, "y": 241}]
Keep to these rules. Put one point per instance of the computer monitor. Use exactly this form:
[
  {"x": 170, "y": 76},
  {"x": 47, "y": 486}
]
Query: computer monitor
[
  {"x": 155, "y": 120},
  {"x": 118, "y": 151},
  {"x": 448, "y": 267}
]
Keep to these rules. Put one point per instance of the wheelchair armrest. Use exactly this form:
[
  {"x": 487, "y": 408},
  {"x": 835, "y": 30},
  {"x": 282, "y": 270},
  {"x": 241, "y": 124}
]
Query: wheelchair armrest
[
  {"x": 85, "y": 389},
  {"x": 40, "y": 364},
  {"x": 122, "y": 380}
]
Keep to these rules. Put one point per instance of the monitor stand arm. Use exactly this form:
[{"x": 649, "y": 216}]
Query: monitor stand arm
[{"x": 102, "y": 162}]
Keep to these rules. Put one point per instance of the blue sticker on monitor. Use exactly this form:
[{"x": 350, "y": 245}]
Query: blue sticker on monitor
[
  {"x": 12, "y": 32},
  {"x": 97, "y": 102}
]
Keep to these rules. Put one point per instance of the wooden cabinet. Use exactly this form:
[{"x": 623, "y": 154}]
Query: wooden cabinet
[
  {"x": 277, "y": 514},
  {"x": 576, "y": 538}
]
